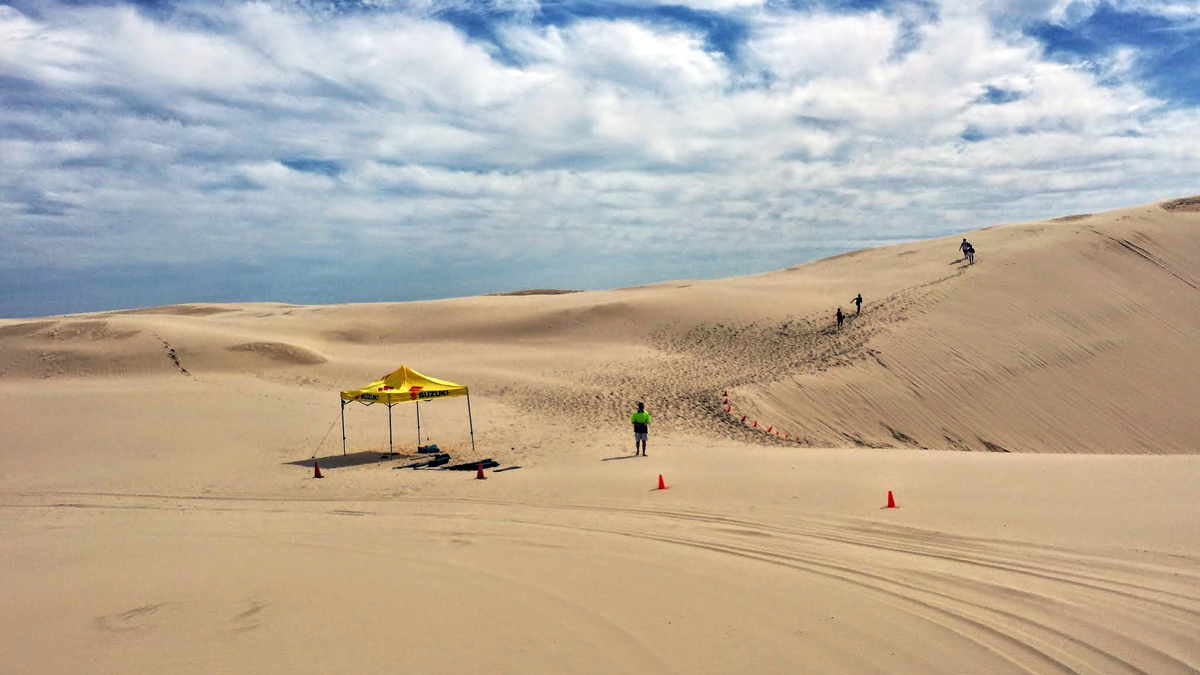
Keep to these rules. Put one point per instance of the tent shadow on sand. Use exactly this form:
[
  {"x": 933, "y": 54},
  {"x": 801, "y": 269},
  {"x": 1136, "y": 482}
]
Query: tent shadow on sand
[{"x": 352, "y": 459}]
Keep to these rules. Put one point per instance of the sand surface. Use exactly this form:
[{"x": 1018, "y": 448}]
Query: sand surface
[{"x": 1032, "y": 414}]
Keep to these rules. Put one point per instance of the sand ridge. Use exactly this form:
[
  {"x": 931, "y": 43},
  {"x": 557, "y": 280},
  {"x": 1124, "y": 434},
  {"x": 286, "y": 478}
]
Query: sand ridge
[{"x": 280, "y": 351}]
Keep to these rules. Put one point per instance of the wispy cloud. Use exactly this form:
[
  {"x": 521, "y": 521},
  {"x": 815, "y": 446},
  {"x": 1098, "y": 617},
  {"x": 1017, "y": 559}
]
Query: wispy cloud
[{"x": 578, "y": 144}]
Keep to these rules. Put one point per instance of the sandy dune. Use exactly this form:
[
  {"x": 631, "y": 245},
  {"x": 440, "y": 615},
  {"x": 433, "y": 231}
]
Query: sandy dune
[{"x": 1032, "y": 413}]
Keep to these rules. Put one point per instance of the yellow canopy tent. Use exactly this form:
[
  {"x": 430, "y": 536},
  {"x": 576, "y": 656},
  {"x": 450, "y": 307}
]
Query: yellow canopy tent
[{"x": 403, "y": 386}]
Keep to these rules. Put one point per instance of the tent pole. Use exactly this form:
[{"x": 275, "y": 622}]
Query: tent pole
[
  {"x": 418, "y": 426},
  {"x": 470, "y": 421},
  {"x": 389, "y": 428},
  {"x": 343, "y": 428}
]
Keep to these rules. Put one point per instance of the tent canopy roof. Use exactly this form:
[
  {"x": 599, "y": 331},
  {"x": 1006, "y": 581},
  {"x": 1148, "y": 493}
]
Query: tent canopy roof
[{"x": 402, "y": 386}]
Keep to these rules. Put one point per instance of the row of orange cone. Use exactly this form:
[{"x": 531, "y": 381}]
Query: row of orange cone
[
  {"x": 771, "y": 428},
  {"x": 478, "y": 475},
  {"x": 661, "y": 484},
  {"x": 891, "y": 503}
]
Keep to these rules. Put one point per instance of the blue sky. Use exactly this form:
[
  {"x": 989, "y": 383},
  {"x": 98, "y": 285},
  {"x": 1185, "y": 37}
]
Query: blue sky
[{"x": 327, "y": 152}]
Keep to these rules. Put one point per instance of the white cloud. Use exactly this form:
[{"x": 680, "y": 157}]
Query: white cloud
[
  {"x": 631, "y": 55},
  {"x": 800, "y": 48},
  {"x": 1075, "y": 11},
  {"x": 1072, "y": 12}
]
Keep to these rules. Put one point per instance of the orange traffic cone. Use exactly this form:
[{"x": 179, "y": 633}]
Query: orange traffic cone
[
  {"x": 725, "y": 393},
  {"x": 891, "y": 501},
  {"x": 755, "y": 424},
  {"x": 479, "y": 474},
  {"x": 727, "y": 400},
  {"x": 317, "y": 470},
  {"x": 729, "y": 409},
  {"x": 743, "y": 419},
  {"x": 770, "y": 429},
  {"x": 661, "y": 484}
]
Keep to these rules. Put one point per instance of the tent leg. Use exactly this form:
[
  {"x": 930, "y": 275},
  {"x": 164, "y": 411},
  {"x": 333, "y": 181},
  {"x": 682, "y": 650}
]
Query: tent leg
[
  {"x": 389, "y": 429},
  {"x": 470, "y": 422},
  {"x": 343, "y": 428},
  {"x": 418, "y": 426}
]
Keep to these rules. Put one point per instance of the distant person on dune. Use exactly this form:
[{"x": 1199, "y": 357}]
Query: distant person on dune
[
  {"x": 641, "y": 429},
  {"x": 964, "y": 246},
  {"x": 970, "y": 254},
  {"x": 857, "y": 304},
  {"x": 840, "y": 318}
]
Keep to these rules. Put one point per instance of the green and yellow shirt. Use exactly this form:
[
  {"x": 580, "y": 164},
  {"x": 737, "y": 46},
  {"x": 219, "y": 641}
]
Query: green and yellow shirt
[{"x": 640, "y": 420}]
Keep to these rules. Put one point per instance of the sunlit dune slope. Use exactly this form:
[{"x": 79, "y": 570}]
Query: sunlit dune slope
[{"x": 1073, "y": 335}]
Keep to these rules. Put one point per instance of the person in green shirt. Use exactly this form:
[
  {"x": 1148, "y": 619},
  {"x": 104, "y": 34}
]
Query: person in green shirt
[{"x": 641, "y": 422}]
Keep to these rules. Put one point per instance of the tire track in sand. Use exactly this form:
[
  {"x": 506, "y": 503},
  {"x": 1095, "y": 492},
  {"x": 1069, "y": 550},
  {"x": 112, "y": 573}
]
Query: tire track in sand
[
  {"x": 1010, "y": 619},
  {"x": 1039, "y": 608}
]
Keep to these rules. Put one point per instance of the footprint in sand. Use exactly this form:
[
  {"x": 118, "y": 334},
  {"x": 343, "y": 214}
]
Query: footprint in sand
[
  {"x": 141, "y": 618},
  {"x": 172, "y": 355},
  {"x": 248, "y": 619}
]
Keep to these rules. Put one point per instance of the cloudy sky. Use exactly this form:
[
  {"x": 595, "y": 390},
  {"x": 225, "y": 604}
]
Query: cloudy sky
[{"x": 329, "y": 151}]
